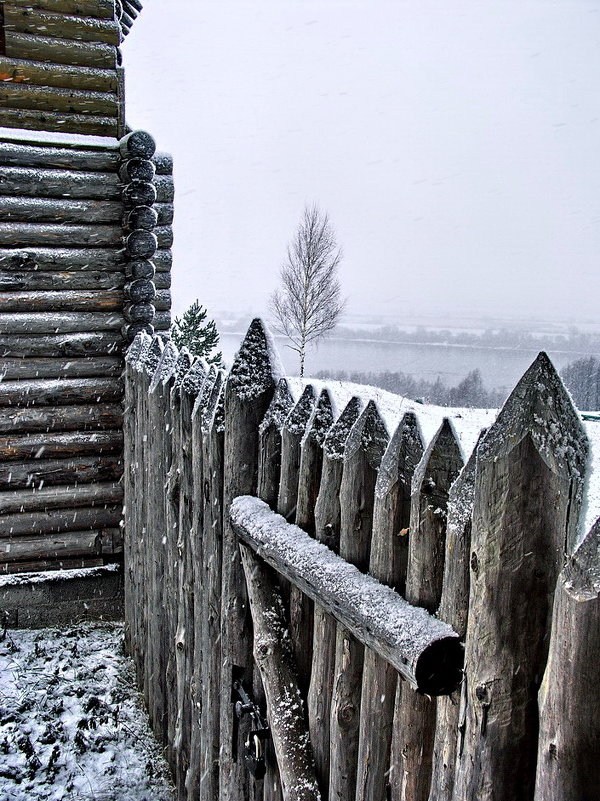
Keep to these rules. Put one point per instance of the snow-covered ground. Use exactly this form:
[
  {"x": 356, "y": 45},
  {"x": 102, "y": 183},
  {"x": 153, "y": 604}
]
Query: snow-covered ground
[{"x": 72, "y": 725}]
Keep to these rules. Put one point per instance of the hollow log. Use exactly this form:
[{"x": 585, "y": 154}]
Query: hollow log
[
  {"x": 44, "y": 182},
  {"x": 27, "y": 524},
  {"x": 17, "y": 95},
  {"x": 59, "y": 322},
  {"x": 59, "y": 51},
  {"x": 64, "y": 122},
  {"x": 94, "y": 417},
  {"x": 35, "y": 500},
  {"x": 528, "y": 489},
  {"x": 454, "y": 610},
  {"x": 57, "y": 345},
  {"x": 249, "y": 390},
  {"x": 60, "y": 301},
  {"x": 69, "y": 544},
  {"x": 59, "y": 446},
  {"x": 327, "y": 531},
  {"x": 363, "y": 452},
  {"x": 42, "y": 472},
  {"x": 569, "y": 700},
  {"x": 59, "y": 392},
  {"x": 412, "y": 747},
  {"x": 61, "y": 282},
  {"x": 68, "y": 259},
  {"x": 20, "y": 369},
  {"x": 426, "y": 651},
  {"x": 42, "y": 73},
  {"x": 14, "y": 234},
  {"x": 388, "y": 561},
  {"x": 275, "y": 661},
  {"x": 102, "y": 9}
]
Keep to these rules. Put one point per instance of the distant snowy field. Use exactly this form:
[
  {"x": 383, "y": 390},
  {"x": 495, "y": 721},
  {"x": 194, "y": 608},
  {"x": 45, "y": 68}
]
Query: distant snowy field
[{"x": 72, "y": 724}]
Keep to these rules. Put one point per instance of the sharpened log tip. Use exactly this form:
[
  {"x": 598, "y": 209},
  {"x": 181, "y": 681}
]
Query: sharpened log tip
[{"x": 439, "y": 668}]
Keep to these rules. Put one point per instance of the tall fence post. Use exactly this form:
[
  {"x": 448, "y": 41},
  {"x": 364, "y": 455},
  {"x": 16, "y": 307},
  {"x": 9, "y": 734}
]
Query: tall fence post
[
  {"x": 327, "y": 531},
  {"x": 248, "y": 392},
  {"x": 415, "y": 714},
  {"x": 567, "y": 763},
  {"x": 389, "y": 555},
  {"x": 528, "y": 488},
  {"x": 454, "y": 610},
  {"x": 363, "y": 452}
]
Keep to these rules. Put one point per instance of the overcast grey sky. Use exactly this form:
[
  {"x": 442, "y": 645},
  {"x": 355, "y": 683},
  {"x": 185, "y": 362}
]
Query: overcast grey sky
[{"x": 454, "y": 144}]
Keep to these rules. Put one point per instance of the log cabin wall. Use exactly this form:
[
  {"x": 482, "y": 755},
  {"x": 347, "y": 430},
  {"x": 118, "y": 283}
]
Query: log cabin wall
[
  {"x": 60, "y": 66},
  {"x": 85, "y": 258}
]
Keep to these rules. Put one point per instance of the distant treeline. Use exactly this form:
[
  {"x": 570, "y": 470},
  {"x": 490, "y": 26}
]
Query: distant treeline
[
  {"x": 582, "y": 378},
  {"x": 470, "y": 391},
  {"x": 573, "y": 340}
]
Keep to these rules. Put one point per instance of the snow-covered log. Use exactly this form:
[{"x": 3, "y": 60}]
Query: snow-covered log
[
  {"x": 48, "y": 472},
  {"x": 66, "y": 76},
  {"x": 65, "y": 259},
  {"x": 424, "y": 650},
  {"x": 22, "y": 447},
  {"x": 25, "y": 234},
  {"x": 60, "y": 392},
  {"x": 96, "y": 417},
  {"x": 46, "y": 182},
  {"x": 59, "y": 322},
  {"x": 101, "y": 9},
  {"x": 59, "y": 210},
  {"x": 87, "y": 367},
  {"x": 70, "y": 301},
  {"x": 34, "y": 500},
  {"x": 64, "y": 156}
]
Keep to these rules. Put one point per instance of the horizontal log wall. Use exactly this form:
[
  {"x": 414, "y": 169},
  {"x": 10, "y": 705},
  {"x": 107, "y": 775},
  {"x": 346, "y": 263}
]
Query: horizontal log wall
[
  {"x": 60, "y": 68},
  {"x": 399, "y": 507},
  {"x": 65, "y": 310}
]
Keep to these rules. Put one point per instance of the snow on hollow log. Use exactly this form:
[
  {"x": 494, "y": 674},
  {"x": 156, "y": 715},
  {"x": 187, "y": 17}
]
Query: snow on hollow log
[
  {"x": 569, "y": 700},
  {"x": 424, "y": 650}
]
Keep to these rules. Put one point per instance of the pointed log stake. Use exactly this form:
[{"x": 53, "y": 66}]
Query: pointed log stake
[
  {"x": 364, "y": 449},
  {"x": 275, "y": 661},
  {"x": 269, "y": 458},
  {"x": 327, "y": 531},
  {"x": 528, "y": 488},
  {"x": 454, "y": 610},
  {"x": 567, "y": 765},
  {"x": 248, "y": 393},
  {"x": 389, "y": 555},
  {"x": 415, "y": 714}
]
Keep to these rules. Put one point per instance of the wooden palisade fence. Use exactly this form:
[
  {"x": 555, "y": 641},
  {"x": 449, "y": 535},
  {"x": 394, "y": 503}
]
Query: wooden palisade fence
[{"x": 312, "y": 561}]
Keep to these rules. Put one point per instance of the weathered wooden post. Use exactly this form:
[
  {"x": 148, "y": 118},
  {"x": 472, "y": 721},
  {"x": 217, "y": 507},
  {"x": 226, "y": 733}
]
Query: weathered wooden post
[
  {"x": 364, "y": 449},
  {"x": 389, "y": 555},
  {"x": 301, "y": 607},
  {"x": 208, "y": 587},
  {"x": 248, "y": 393},
  {"x": 567, "y": 763},
  {"x": 528, "y": 489},
  {"x": 454, "y": 610},
  {"x": 415, "y": 713},
  {"x": 269, "y": 456},
  {"x": 327, "y": 531}
]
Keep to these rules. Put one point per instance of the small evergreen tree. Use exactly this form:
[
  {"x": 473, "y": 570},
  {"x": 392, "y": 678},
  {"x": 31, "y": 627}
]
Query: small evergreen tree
[{"x": 198, "y": 335}]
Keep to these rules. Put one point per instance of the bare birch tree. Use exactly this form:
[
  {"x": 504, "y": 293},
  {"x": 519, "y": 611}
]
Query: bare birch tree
[{"x": 308, "y": 304}]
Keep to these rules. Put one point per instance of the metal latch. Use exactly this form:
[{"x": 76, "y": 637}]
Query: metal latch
[{"x": 254, "y": 751}]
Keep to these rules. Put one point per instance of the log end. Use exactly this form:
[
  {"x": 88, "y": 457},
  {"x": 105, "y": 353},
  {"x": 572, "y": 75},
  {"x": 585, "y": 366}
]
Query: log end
[{"x": 439, "y": 669}]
